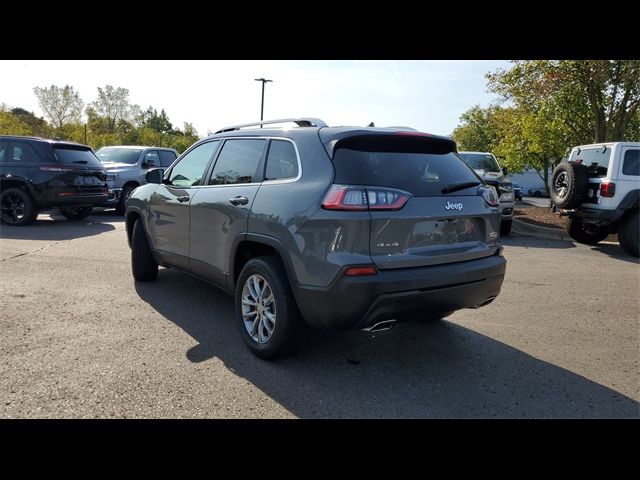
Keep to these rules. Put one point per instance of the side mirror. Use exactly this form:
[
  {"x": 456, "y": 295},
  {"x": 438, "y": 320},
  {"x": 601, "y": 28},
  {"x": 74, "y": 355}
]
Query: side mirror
[
  {"x": 505, "y": 171},
  {"x": 154, "y": 175},
  {"x": 150, "y": 163}
]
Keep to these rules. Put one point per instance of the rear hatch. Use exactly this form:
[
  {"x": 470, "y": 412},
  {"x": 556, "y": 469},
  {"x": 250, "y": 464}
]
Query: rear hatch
[
  {"x": 443, "y": 219},
  {"x": 83, "y": 173}
]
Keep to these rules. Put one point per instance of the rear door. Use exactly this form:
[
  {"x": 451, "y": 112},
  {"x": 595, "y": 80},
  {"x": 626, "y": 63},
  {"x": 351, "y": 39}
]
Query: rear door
[
  {"x": 220, "y": 210},
  {"x": 433, "y": 227}
]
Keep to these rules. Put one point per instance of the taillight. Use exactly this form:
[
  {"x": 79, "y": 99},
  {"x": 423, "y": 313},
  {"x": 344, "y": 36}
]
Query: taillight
[
  {"x": 489, "y": 195},
  {"x": 360, "y": 271},
  {"x": 55, "y": 168},
  {"x": 607, "y": 189},
  {"x": 360, "y": 198}
]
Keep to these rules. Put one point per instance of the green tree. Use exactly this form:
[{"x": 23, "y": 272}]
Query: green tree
[
  {"x": 60, "y": 104},
  {"x": 596, "y": 100},
  {"x": 159, "y": 123},
  {"x": 38, "y": 125},
  {"x": 479, "y": 130},
  {"x": 113, "y": 106},
  {"x": 10, "y": 124}
]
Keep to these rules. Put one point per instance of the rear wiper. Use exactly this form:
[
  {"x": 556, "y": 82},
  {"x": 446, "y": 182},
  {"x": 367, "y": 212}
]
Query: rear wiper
[
  {"x": 84, "y": 162},
  {"x": 454, "y": 187}
]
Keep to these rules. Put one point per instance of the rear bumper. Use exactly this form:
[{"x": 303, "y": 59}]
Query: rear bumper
[
  {"x": 73, "y": 201},
  {"x": 351, "y": 303},
  {"x": 597, "y": 216}
]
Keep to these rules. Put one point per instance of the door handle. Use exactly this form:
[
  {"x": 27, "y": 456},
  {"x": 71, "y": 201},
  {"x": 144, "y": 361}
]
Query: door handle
[
  {"x": 239, "y": 200},
  {"x": 183, "y": 199}
]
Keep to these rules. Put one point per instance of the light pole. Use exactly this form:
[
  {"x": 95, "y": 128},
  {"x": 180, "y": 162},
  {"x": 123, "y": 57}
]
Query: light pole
[{"x": 263, "y": 80}]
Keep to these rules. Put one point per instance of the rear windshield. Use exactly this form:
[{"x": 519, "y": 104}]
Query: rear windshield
[
  {"x": 589, "y": 156},
  {"x": 77, "y": 156},
  {"x": 119, "y": 155},
  {"x": 422, "y": 174}
]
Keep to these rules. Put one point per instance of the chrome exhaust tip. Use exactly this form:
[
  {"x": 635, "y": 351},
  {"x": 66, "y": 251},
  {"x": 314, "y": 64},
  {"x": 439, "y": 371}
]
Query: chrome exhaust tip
[
  {"x": 487, "y": 301},
  {"x": 380, "y": 326}
]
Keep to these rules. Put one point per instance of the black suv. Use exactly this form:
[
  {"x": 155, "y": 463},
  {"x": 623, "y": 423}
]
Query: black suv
[
  {"x": 333, "y": 227},
  {"x": 39, "y": 174}
]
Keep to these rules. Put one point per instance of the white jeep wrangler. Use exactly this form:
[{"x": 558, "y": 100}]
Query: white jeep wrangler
[{"x": 598, "y": 187}]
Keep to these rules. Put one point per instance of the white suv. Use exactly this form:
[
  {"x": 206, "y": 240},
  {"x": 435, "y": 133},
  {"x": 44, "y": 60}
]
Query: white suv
[{"x": 598, "y": 187}]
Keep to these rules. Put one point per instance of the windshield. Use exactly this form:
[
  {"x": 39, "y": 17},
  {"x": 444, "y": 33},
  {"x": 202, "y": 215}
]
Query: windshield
[
  {"x": 118, "y": 155},
  {"x": 481, "y": 161}
]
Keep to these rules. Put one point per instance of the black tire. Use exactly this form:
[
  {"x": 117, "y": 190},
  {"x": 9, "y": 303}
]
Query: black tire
[
  {"x": 586, "y": 233},
  {"x": 289, "y": 326},
  {"x": 569, "y": 185},
  {"x": 537, "y": 193},
  {"x": 143, "y": 266},
  {"x": 17, "y": 208},
  {"x": 76, "y": 213},
  {"x": 505, "y": 227},
  {"x": 126, "y": 192},
  {"x": 628, "y": 233}
]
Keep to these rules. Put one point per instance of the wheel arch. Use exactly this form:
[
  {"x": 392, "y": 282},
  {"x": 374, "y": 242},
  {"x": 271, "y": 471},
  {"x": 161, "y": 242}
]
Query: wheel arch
[{"x": 251, "y": 245}]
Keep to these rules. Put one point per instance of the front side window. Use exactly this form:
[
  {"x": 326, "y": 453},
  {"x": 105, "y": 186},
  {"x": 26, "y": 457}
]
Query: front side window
[
  {"x": 238, "y": 162},
  {"x": 3, "y": 150},
  {"x": 631, "y": 165},
  {"x": 190, "y": 169},
  {"x": 166, "y": 158},
  {"x": 282, "y": 161}
]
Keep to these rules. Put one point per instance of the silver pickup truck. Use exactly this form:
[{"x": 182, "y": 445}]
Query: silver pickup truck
[
  {"x": 126, "y": 167},
  {"x": 486, "y": 165}
]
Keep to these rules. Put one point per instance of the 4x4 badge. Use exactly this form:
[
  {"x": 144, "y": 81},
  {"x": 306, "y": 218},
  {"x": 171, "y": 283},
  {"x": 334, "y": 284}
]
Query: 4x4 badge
[{"x": 454, "y": 206}]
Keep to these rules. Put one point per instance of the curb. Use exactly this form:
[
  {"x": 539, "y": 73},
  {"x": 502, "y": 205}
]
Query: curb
[{"x": 524, "y": 228}]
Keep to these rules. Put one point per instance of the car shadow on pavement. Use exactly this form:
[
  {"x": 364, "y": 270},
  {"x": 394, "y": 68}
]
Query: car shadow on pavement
[
  {"x": 615, "y": 251},
  {"x": 416, "y": 370},
  {"x": 57, "y": 227},
  {"x": 527, "y": 241}
]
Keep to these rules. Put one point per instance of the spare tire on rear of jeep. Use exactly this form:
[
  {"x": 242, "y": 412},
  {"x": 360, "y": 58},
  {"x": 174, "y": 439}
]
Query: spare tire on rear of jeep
[{"x": 569, "y": 185}]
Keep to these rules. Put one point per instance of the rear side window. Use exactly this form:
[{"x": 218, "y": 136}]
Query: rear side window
[
  {"x": 282, "y": 161},
  {"x": 631, "y": 165},
  {"x": 76, "y": 156},
  {"x": 422, "y": 174},
  {"x": 238, "y": 162},
  {"x": 166, "y": 158},
  {"x": 23, "y": 152},
  {"x": 3, "y": 149}
]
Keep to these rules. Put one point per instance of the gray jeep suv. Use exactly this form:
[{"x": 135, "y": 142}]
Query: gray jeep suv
[
  {"x": 331, "y": 227},
  {"x": 126, "y": 168}
]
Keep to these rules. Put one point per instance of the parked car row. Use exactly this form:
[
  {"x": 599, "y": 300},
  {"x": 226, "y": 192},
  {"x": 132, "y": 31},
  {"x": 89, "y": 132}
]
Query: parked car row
[{"x": 38, "y": 174}]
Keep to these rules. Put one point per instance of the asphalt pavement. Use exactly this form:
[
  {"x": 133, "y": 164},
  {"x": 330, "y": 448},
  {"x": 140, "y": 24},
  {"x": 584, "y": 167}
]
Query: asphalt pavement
[{"x": 81, "y": 339}]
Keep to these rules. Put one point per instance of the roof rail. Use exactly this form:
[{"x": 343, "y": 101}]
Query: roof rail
[
  {"x": 406, "y": 128},
  {"x": 301, "y": 122}
]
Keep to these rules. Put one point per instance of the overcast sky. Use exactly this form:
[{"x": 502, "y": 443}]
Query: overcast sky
[{"x": 427, "y": 95}]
